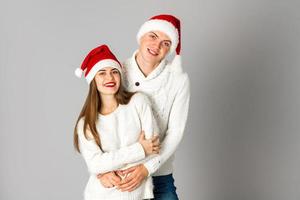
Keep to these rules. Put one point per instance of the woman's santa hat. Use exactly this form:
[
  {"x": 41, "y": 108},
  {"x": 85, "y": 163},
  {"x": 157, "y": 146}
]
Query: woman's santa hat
[
  {"x": 169, "y": 25},
  {"x": 99, "y": 58}
]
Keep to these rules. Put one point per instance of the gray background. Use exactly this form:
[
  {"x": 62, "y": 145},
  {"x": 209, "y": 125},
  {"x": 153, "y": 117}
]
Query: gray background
[{"x": 242, "y": 139}]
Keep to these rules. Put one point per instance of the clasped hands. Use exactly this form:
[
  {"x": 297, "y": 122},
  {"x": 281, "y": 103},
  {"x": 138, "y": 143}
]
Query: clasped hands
[{"x": 131, "y": 178}]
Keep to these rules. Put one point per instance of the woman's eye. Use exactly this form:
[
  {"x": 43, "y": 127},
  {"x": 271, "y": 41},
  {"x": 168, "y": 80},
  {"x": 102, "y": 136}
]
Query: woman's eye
[
  {"x": 115, "y": 72},
  {"x": 101, "y": 73}
]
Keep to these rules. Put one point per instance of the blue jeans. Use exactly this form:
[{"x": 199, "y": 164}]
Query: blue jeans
[{"x": 164, "y": 188}]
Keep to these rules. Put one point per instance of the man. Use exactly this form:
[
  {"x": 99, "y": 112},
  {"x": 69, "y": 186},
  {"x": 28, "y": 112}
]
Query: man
[{"x": 167, "y": 87}]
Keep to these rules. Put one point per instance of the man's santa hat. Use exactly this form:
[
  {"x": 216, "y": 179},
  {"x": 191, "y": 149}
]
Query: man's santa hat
[
  {"x": 169, "y": 25},
  {"x": 99, "y": 58}
]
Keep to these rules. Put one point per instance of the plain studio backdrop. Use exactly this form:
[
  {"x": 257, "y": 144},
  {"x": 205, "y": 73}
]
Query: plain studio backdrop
[{"x": 242, "y": 139}]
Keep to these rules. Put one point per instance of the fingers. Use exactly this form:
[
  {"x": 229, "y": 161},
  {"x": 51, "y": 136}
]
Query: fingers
[
  {"x": 156, "y": 146},
  {"x": 155, "y": 141},
  {"x": 125, "y": 183},
  {"x": 106, "y": 183},
  {"x": 132, "y": 187},
  {"x": 109, "y": 179},
  {"x": 99, "y": 176},
  {"x": 129, "y": 170},
  {"x": 132, "y": 184},
  {"x": 152, "y": 147},
  {"x": 155, "y": 138},
  {"x": 132, "y": 174},
  {"x": 115, "y": 180},
  {"x": 129, "y": 183},
  {"x": 134, "y": 180},
  {"x": 156, "y": 149},
  {"x": 120, "y": 173}
]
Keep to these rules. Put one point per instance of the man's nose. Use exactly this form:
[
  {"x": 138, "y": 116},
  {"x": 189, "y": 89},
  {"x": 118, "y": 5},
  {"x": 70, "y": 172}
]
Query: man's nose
[{"x": 158, "y": 44}]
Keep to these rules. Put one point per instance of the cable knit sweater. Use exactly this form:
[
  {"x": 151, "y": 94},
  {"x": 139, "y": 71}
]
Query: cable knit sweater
[
  {"x": 119, "y": 132},
  {"x": 169, "y": 93}
]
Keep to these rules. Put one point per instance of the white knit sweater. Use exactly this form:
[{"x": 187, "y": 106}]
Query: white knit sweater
[
  {"x": 169, "y": 93},
  {"x": 119, "y": 132}
]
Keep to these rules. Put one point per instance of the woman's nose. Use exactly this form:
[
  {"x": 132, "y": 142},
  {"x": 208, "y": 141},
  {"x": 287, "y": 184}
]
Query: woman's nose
[{"x": 109, "y": 76}]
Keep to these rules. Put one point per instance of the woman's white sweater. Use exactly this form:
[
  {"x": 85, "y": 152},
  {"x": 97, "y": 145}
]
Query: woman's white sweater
[{"x": 119, "y": 132}]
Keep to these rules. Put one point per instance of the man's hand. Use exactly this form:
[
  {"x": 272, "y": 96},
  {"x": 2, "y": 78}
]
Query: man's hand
[
  {"x": 150, "y": 146},
  {"x": 109, "y": 179},
  {"x": 134, "y": 178}
]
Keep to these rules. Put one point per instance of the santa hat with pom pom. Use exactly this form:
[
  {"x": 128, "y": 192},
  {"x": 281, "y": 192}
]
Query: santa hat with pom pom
[
  {"x": 169, "y": 25},
  {"x": 99, "y": 58}
]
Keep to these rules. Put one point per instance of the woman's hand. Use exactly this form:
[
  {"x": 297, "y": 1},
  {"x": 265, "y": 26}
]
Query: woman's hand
[
  {"x": 109, "y": 179},
  {"x": 151, "y": 146}
]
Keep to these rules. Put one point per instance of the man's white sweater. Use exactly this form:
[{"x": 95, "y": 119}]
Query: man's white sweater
[
  {"x": 169, "y": 94},
  {"x": 119, "y": 133}
]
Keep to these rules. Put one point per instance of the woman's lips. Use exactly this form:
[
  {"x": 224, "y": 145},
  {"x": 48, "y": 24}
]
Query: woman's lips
[{"x": 110, "y": 84}]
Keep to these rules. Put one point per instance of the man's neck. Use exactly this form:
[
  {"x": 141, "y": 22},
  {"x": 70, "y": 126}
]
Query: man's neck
[{"x": 145, "y": 67}]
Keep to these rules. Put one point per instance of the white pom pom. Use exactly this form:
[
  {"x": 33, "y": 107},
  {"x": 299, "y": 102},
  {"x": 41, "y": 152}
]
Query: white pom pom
[
  {"x": 176, "y": 64},
  {"x": 78, "y": 72}
]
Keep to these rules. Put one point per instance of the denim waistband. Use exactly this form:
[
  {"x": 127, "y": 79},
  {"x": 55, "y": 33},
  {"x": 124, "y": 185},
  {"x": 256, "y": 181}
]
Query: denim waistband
[{"x": 163, "y": 179}]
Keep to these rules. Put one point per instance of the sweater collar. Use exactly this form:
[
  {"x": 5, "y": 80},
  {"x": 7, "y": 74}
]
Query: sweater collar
[{"x": 154, "y": 73}]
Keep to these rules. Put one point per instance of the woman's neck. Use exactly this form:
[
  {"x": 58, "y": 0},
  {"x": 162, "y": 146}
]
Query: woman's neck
[{"x": 108, "y": 104}]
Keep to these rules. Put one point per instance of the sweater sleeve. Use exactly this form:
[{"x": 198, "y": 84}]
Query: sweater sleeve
[
  {"x": 149, "y": 126},
  {"x": 176, "y": 125},
  {"x": 101, "y": 162},
  {"x": 148, "y": 122}
]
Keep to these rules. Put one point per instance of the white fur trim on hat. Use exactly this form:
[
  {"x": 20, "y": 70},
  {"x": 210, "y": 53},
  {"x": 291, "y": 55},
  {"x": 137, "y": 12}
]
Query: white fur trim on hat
[
  {"x": 163, "y": 26},
  {"x": 100, "y": 65}
]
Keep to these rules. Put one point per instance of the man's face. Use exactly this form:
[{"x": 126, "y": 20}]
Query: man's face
[{"x": 154, "y": 46}]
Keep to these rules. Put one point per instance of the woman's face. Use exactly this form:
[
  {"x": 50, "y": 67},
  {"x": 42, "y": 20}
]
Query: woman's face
[
  {"x": 154, "y": 46},
  {"x": 108, "y": 81}
]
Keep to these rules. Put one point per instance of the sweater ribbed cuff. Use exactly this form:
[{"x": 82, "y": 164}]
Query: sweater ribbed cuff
[{"x": 152, "y": 165}]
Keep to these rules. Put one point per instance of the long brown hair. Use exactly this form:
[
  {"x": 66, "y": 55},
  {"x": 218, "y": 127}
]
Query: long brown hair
[{"x": 92, "y": 107}]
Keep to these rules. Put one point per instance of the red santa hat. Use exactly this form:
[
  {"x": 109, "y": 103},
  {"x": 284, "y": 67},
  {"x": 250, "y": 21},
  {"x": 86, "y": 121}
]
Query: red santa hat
[
  {"x": 99, "y": 58},
  {"x": 169, "y": 25}
]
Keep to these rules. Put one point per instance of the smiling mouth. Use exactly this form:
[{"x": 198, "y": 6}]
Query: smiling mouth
[
  {"x": 110, "y": 84},
  {"x": 154, "y": 53}
]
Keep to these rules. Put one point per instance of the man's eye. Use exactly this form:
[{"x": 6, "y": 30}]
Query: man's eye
[
  {"x": 167, "y": 44},
  {"x": 152, "y": 36}
]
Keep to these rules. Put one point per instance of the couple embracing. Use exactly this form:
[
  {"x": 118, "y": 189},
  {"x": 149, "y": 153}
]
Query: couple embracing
[{"x": 134, "y": 116}]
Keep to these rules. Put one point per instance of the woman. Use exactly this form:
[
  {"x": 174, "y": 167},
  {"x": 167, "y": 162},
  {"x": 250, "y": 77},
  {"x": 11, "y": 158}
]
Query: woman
[{"x": 107, "y": 132}]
